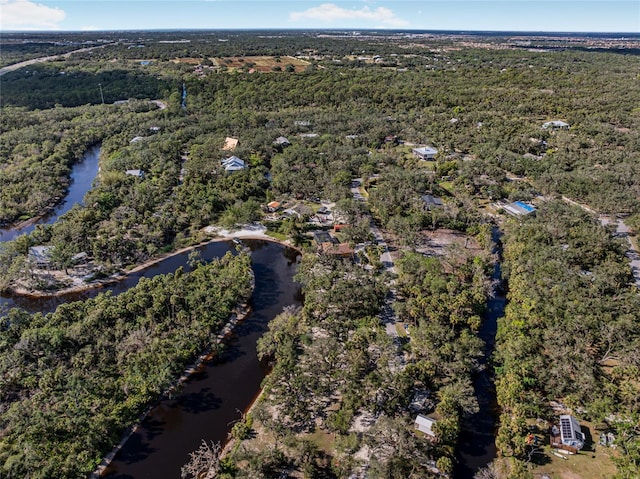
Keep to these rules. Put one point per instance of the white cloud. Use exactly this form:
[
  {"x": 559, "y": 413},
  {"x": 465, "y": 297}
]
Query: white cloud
[
  {"x": 27, "y": 15},
  {"x": 331, "y": 13}
]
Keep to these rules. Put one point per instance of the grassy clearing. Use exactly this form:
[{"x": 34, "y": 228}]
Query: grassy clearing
[
  {"x": 596, "y": 464},
  {"x": 593, "y": 462},
  {"x": 262, "y": 64}
]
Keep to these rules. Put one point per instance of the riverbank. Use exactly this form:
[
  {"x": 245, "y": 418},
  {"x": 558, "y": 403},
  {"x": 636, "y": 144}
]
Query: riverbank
[
  {"x": 240, "y": 314},
  {"x": 79, "y": 284},
  {"x": 209, "y": 403}
]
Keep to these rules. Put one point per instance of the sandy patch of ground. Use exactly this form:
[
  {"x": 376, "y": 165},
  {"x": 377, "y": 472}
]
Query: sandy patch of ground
[
  {"x": 439, "y": 242},
  {"x": 78, "y": 278},
  {"x": 246, "y": 231},
  {"x": 436, "y": 243}
]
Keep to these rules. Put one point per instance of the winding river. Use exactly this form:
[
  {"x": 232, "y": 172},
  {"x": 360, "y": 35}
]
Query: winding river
[
  {"x": 82, "y": 175},
  {"x": 213, "y": 398},
  {"x": 216, "y": 395}
]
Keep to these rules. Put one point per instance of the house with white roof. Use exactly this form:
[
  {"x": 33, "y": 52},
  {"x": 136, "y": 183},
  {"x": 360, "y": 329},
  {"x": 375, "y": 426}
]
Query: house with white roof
[
  {"x": 233, "y": 163},
  {"x": 555, "y": 125},
  {"x": 425, "y": 152},
  {"x": 136, "y": 173},
  {"x": 425, "y": 424}
]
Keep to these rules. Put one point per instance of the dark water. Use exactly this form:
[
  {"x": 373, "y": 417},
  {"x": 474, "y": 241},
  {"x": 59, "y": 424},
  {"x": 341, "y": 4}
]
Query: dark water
[
  {"x": 47, "y": 304},
  {"x": 82, "y": 176},
  {"x": 477, "y": 441},
  {"x": 214, "y": 397}
]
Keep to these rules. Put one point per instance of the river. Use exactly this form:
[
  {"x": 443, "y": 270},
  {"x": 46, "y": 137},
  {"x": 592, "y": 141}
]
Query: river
[
  {"x": 83, "y": 173},
  {"x": 212, "y": 399}
]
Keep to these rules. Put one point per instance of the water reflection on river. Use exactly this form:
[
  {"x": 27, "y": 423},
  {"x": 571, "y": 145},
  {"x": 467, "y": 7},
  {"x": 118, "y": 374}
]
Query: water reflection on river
[
  {"x": 212, "y": 399},
  {"x": 82, "y": 176}
]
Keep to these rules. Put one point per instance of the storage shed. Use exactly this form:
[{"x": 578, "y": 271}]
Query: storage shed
[{"x": 425, "y": 424}]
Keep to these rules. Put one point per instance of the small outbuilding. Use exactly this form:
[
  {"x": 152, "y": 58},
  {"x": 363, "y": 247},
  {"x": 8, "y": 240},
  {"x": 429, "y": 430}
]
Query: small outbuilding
[
  {"x": 136, "y": 173},
  {"x": 425, "y": 424}
]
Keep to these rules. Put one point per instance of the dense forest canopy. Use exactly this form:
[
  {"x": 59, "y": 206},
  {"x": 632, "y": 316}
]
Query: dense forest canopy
[
  {"x": 89, "y": 369},
  {"x": 351, "y": 107}
]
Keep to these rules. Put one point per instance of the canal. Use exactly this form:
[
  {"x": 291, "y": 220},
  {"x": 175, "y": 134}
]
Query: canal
[{"x": 477, "y": 440}]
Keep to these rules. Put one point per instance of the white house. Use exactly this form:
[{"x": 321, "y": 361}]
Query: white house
[
  {"x": 555, "y": 125},
  {"x": 282, "y": 142},
  {"x": 234, "y": 163},
  {"x": 425, "y": 424},
  {"x": 425, "y": 152}
]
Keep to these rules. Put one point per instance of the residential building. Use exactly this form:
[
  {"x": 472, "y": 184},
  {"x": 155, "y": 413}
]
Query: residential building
[
  {"x": 555, "y": 125},
  {"x": 40, "y": 256},
  {"x": 431, "y": 201},
  {"x": 233, "y": 163},
  {"x": 425, "y": 152},
  {"x": 569, "y": 434},
  {"x": 136, "y": 173}
]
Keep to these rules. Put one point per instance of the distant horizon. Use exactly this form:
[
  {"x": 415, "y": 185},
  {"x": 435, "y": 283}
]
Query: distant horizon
[
  {"x": 337, "y": 30},
  {"x": 538, "y": 16}
]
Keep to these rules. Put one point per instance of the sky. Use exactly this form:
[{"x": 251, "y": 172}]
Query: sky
[{"x": 469, "y": 15}]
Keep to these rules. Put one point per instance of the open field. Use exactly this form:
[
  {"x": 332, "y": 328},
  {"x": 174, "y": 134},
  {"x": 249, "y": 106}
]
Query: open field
[{"x": 262, "y": 64}]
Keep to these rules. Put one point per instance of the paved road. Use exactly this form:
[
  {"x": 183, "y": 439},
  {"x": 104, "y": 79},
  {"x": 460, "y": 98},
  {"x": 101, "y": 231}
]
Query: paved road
[{"x": 26, "y": 63}]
